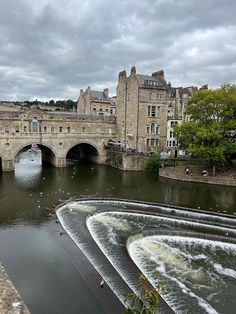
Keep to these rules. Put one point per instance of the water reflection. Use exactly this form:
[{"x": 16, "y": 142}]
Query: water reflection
[{"x": 28, "y": 177}]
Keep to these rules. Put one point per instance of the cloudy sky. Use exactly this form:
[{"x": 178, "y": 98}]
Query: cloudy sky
[{"x": 50, "y": 49}]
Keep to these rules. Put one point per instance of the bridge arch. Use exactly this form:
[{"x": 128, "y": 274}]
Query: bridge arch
[
  {"x": 48, "y": 155},
  {"x": 83, "y": 150}
]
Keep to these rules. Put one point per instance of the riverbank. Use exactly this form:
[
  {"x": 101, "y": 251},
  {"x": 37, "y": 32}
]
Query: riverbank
[
  {"x": 10, "y": 299},
  {"x": 178, "y": 173}
]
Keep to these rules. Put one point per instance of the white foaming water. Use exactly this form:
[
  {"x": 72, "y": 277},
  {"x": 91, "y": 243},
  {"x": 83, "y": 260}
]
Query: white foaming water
[
  {"x": 176, "y": 264},
  {"x": 225, "y": 271},
  {"x": 155, "y": 253},
  {"x": 81, "y": 207},
  {"x": 118, "y": 224},
  {"x": 195, "y": 214}
]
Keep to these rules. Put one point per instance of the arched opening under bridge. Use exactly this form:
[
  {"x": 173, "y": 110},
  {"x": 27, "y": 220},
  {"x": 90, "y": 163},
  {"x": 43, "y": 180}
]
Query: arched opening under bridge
[
  {"x": 82, "y": 152},
  {"x": 35, "y": 154}
]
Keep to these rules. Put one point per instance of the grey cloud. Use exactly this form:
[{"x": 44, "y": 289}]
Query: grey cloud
[{"x": 52, "y": 48}]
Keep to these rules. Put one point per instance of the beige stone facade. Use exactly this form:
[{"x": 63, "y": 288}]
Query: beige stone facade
[
  {"x": 141, "y": 110},
  {"x": 96, "y": 102},
  {"x": 55, "y": 133},
  {"x": 147, "y": 109}
]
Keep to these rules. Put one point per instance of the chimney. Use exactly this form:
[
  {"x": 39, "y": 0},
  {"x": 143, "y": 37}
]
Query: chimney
[
  {"x": 204, "y": 87},
  {"x": 159, "y": 74},
  {"x": 106, "y": 92},
  {"x": 133, "y": 70},
  {"x": 122, "y": 75}
]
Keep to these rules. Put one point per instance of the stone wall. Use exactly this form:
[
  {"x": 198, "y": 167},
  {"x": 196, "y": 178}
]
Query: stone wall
[
  {"x": 10, "y": 300},
  {"x": 121, "y": 161}
]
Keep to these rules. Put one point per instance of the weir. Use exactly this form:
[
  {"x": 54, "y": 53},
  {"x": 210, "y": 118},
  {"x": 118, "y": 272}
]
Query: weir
[{"x": 111, "y": 223}]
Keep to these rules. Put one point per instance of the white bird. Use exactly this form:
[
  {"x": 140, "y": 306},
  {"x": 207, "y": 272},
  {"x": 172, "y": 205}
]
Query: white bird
[{"x": 102, "y": 283}]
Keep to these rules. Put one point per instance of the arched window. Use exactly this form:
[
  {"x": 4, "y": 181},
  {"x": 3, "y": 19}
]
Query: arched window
[
  {"x": 153, "y": 128},
  {"x": 35, "y": 125}
]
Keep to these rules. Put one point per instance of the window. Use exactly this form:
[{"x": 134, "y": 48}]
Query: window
[
  {"x": 25, "y": 128},
  {"x": 153, "y": 128},
  {"x": 83, "y": 129},
  {"x": 152, "y": 142},
  {"x": 148, "y": 129},
  {"x": 152, "y": 95},
  {"x": 60, "y": 129},
  {"x": 94, "y": 109},
  {"x": 17, "y": 129},
  {"x": 153, "y": 111},
  {"x": 35, "y": 125},
  {"x": 45, "y": 129},
  {"x": 68, "y": 129},
  {"x": 7, "y": 128},
  {"x": 171, "y": 133},
  {"x": 100, "y": 109}
]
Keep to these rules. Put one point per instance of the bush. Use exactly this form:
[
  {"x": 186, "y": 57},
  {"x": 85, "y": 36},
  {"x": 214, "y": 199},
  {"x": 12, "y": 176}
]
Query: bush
[
  {"x": 147, "y": 302},
  {"x": 152, "y": 164}
]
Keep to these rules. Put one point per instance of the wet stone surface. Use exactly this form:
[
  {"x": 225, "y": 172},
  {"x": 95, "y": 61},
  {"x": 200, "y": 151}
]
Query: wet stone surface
[{"x": 10, "y": 300}]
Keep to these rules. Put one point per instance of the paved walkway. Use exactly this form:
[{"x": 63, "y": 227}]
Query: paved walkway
[{"x": 177, "y": 173}]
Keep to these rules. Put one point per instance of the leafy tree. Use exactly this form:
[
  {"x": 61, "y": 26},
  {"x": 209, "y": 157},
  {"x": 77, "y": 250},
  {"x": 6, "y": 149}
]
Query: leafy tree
[
  {"x": 152, "y": 164},
  {"x": 212, "y": 119},
  {"x": 148, "y": 301}
]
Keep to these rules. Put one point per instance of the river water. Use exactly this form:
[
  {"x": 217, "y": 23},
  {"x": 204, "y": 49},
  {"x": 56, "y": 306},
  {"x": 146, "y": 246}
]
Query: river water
[{"x": 39, "y": 265}]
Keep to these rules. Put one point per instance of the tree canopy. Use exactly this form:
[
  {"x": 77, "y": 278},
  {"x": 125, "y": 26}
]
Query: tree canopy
[{"x": 210, "y": 132}]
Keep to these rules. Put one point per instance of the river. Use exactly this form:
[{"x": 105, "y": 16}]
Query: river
[{"x": 30, "y": 250}]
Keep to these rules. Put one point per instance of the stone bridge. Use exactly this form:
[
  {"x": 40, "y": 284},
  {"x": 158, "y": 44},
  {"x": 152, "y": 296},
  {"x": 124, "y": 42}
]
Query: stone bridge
[{"x": 57, "y": 134}]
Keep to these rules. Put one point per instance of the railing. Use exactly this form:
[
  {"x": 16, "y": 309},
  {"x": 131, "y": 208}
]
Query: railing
[{"x": 126, "y": 151}]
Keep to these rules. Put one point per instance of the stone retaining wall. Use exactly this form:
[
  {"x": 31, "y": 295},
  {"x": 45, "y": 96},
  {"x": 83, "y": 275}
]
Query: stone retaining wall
[
  {"x": 178, "y": 174},
  {"x": 10, "y": 300}
]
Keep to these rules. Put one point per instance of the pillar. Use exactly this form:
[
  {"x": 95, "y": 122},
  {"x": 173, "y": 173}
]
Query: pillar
[
  {"x": 59, "y": 162},
  {"x": 8, "y": 165}
]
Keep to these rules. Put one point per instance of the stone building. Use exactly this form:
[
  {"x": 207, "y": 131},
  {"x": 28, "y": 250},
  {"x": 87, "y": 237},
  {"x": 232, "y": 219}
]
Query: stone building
[
  {"x": 96, "y": 102},
  {"x": 141, "y": 110},
  {"x": 147, "y": 109}
]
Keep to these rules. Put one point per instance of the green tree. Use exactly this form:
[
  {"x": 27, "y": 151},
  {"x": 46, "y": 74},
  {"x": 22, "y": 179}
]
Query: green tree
[
  {"x": 147, "y": 302},
  {"x": 152, "y": 164},
  {"x": 212, "y": 119}
]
